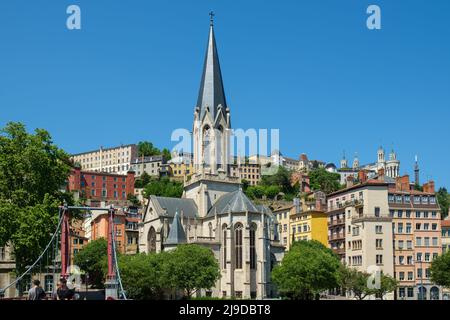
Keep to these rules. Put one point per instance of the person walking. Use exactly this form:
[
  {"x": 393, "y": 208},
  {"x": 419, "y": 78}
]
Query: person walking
[
  {"x": 63, "y": 292},
  {"x": 36, "y": 292}
]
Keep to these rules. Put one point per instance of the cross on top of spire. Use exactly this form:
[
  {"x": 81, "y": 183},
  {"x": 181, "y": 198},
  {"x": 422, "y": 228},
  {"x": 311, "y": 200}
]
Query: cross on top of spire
[{"x": 211, "y": 17}]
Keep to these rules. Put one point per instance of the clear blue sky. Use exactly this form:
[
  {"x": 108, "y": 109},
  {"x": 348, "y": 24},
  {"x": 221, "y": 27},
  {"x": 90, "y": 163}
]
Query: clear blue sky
[{"x": 310, "y": 68}]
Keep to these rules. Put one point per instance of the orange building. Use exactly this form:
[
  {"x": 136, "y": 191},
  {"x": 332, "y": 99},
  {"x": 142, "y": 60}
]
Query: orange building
[
  {"x": 77, "y": 239},
  {"x": 99, "y": 228}
]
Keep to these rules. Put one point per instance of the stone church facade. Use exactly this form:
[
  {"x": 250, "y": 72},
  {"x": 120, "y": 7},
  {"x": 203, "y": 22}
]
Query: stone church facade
[{"x": 214, "y": 211}]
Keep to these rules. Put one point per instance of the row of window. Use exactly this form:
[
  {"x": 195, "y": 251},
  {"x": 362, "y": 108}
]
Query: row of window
[
  {"x": 427, "y": 257},
  {"x": 357, "y": 260},
  {"x": 426, "y": 242},
  {"x": 419, "y": 227},
  {"x": 301, "y": 228},
  {"x": 104, "y": 194},
  {"x": 406, "y": 199},
  {"x": 104, "y": 178},
  {"x": 407, "y": 214}
]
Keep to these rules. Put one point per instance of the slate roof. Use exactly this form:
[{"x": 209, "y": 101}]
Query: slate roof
[
  {"x": 176, "y": 233},
  {"x": 172, "y": 205},
  {"x": 235, "y": 201},
  {"x": 211, "y": 92}
]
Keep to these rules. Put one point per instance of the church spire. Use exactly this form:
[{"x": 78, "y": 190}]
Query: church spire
[{"x": 211, "y": 93}]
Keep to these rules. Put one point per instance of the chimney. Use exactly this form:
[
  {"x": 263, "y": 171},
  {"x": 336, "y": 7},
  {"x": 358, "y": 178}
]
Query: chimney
[
  {"x": 362, "y": 176},
  {"x": 306, "y": 187},
  {"x": 350, "y": 181},
  {"x": 428, "y": 187},
  {"x": 402, "y": 183}
]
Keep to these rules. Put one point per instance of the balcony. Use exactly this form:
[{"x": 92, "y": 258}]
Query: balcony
[
  {"x": 336, "y": 222},
  {"x": 339, "y": 251},
  {"x": 336, "y": 236}
]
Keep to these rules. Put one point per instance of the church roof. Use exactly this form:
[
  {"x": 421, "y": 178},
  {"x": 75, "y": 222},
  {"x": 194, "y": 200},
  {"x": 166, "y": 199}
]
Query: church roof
[
  {"x": 176, "y": 233},
  {"x": 263, "y": 209},
  {"x": 211, "y": 93},
  {"x": 235, "y": 201},
  {"x": 172, "y": 205}
]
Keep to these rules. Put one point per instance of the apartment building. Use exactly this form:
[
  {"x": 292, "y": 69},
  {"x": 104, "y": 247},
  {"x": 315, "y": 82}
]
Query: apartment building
[
  {"x": 445, "y": 232},
  {"x": 77, "y": 239},
  {"x": 133, "y": 217},
  {"x": 101, "y": 186},
  {"x": 152, "y": 165},
  {"x": 100, "y": 227},
  {"x": 416, "y": 223},
  {"x": 309, "y": 219},
  {"x": 111, "y": 160},
  {"x": 360, "y": 224},
  {"x": 181, "y": 166},
  {"x": 282, "y": 214}
]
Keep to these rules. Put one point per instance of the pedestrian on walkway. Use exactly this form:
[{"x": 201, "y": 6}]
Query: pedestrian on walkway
[
  {"x": 36, "y": 293},
  {"x": 63, "y": 292}
]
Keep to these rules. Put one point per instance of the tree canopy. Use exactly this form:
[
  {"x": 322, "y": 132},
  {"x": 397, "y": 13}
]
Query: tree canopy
[
  {"x": 321, "y": 179},
  {"x": 440, "y": 270},
  {"x": 146, "y": 149},
  {"x": 187, "y": 268},
  {"x": 444, "y": 201},
  {"x": 92, "y": 259},
  {"x": 143, "y": 275},
  {"x": 192, "y": 267},
  {"x": 163, "y": 187},
  {"x": 357, "y": 282},
  {"x": 33, "y": 170},
  {"x": 272, "y": 185},
  {"x": 306, "y": 270}
]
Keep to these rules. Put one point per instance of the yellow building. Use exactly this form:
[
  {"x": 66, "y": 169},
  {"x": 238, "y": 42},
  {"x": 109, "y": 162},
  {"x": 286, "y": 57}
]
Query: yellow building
[
  {"x": 305, "y": 219},
  {"x": 181, "y": 166},
  {"x": 309, "y": 225}
]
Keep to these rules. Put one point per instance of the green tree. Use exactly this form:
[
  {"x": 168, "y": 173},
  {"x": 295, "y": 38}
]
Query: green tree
[
  {"x": 440, "y": 270},
  {"x": 92, "y": 259},
  {"x": 144, "y": 276},
  {"x": 387, "y": 284},
  {"x": 146, "y": 148},
  {"x": 355, "y": 281},
  {"x": 143, "y": 180},
  {"x": 133, "y": 200},
  {"x": 321, "y": 179},
  {"x": 192, "y": 267},
  {"x": 272, "y": 191},
  {"x": 255, "y": 192},
  {"x": 306, "y": 270},
  {"x": 164, "y": 187},
  {"x": 32, "y": 172},
  {"x": 245, "y": 184},
  {"x": 444, "y": 201},
  {"x": 166, "y": 154}
]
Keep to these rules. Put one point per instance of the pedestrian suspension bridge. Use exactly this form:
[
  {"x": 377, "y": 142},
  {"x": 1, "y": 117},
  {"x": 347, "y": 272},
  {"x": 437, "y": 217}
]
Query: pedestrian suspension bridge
[{"x": 54, "y": 262}]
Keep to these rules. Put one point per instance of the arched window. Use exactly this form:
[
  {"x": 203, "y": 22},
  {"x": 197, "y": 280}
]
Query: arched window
[
  {"x": 224, "y": 246},
  {"x": 220, "y": 148},
  {"x": 151, "y": 240},
  {"x": 238, "y": 245},
  {"x": 434, "y": 293},
  {"x": 253, "y": 247},
  {"x": 206, "y": 138}
]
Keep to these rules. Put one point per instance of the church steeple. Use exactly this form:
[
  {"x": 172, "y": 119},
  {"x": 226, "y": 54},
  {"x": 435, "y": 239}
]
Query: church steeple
[{"x": 211, "y": 93}]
